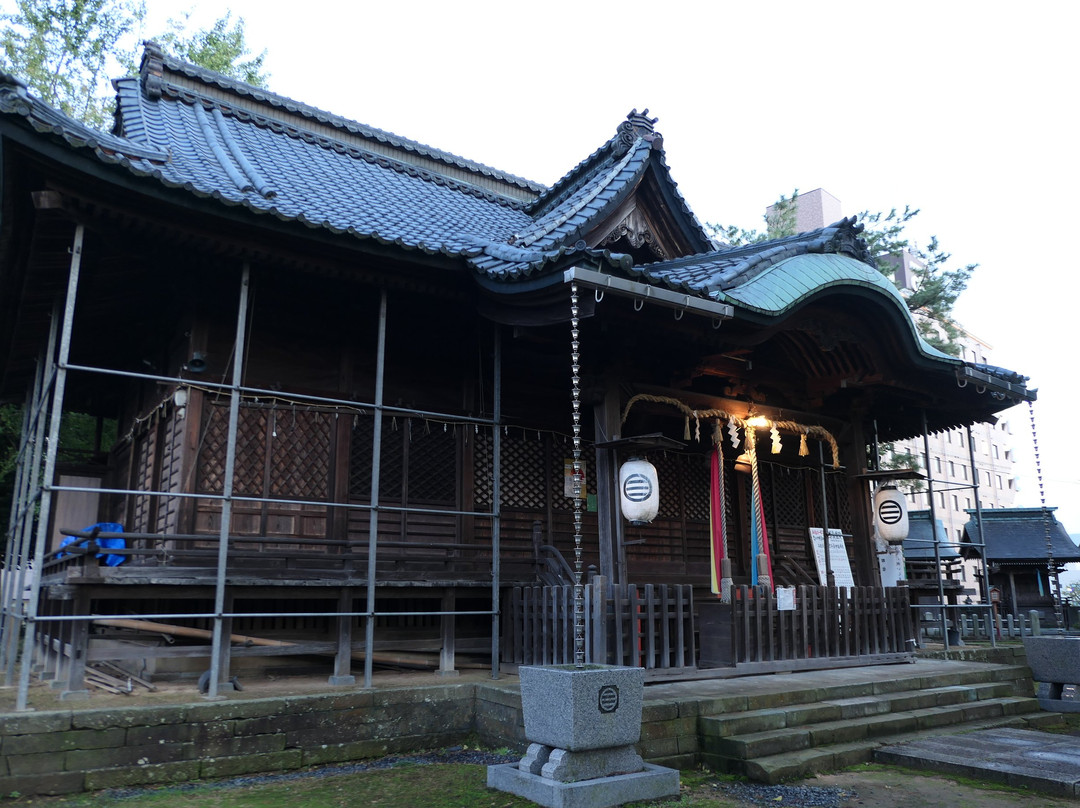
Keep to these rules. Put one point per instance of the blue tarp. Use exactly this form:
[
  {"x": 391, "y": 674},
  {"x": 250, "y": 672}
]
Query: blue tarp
[{"x": 111, "y": 559}]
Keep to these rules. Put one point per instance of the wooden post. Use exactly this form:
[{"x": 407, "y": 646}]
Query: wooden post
[
  {"x": 612, "y": 555},
  {"x": 342, "y": 674},
  {"x": 75, "y": 689},
  {"x": 446, "y": 654}
]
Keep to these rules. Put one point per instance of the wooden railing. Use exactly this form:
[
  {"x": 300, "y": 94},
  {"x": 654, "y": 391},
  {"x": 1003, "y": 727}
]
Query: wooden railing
[
  {"x": 642, "y": 626},
  {"x": 828, "y": 627}
]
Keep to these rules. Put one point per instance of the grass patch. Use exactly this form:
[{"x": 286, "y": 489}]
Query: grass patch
[
  {"x": 405, "y": 786},
  {"x": 959, "y": 779}
]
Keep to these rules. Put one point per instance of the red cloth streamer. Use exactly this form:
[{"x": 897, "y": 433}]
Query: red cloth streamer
[{"x": 716, "y": 522}]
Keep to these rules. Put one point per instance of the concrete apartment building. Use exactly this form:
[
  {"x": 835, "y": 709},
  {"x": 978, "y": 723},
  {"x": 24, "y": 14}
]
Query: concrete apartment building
[{"x": 962, "y": 470}]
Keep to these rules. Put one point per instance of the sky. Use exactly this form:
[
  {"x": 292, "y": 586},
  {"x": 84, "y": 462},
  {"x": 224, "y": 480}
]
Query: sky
[{"x": 960, "y": 109}]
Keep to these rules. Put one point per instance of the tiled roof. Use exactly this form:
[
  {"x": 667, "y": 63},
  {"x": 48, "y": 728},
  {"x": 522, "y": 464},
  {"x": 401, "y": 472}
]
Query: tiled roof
[
  {"x": 919, "y": 543},
  {"x": 1018, "y": 535},
  {"x": 191, "y": 129},
  {"x": 155, "y": 62},
  {"x": 712, "y": 273},
  {"x": 269, "y": 167}
]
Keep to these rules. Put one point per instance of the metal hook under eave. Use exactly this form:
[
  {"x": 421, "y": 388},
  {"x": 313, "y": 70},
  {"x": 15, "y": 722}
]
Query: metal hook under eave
[
  {"x": 980, "y": 389},
  {"x": 639, "y": 304},
  {"x": 679, "y": 314},
  {"x": 599, "y": 295},
  {"x": 960, "y": 383},
  {"x": 716, "y": 323}
]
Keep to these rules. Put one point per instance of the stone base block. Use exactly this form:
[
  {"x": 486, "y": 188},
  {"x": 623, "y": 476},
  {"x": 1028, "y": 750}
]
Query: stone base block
[
  {"x": 570, "y": 767},
  {"x": 653, "y": 783},
  {"x": 1059, "y": 705}
]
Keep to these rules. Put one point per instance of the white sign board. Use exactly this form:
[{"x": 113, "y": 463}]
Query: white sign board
[
  {"x": 785, "y": 598},
  {"x": 568, "y": 479},
  {"x": 838, "y": 557}
]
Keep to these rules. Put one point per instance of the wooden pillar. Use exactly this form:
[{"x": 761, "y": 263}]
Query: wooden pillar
[
  {"x": 343, "y": 658},
  {"x": 1012, "y": 592},
  {"x": 866, "y": 570},
  {"x": 79, "y": 638},
  {"x": 607, "y": 427},
  {"x": 446, "y": 654}
]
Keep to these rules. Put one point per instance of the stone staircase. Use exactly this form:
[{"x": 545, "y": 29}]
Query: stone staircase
[{"x": 826, "y": 724}]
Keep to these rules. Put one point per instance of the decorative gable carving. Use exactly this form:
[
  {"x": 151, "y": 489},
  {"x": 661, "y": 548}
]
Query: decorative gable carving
[{"x": 635, "y": 229}]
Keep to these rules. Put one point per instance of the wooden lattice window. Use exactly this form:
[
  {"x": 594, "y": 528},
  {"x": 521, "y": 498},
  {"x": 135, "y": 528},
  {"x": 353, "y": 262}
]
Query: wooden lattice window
[
  {"x": 696, "y": 487},
  {"x": 145, "y": 450},
  {"x": 299, "y": 454},
  {"x": 784, "y": 492},
  {"x": 279, "y": 453},
  {"x": 418, "y": 461}
]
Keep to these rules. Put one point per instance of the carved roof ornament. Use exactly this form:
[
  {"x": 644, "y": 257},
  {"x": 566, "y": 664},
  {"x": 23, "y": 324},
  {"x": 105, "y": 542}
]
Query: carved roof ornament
[
  {"x": 635, "y": 230},
  {"x": 637, "y": 125}
]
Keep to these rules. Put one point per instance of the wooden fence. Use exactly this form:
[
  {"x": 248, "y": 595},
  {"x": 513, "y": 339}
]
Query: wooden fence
[
  {"x": 974, "y": 623},
  {"x": 828, "y": 627},
  {"x": 650, "y": 626}
]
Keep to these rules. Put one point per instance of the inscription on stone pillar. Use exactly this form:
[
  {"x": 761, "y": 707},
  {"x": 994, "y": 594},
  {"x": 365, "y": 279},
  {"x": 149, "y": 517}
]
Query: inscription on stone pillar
[{"x": 609, "y": 699}]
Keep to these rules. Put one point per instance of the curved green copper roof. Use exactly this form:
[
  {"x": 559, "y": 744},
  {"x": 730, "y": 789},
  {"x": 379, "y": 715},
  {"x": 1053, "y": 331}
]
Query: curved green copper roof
[{"x": 791, "y": 282}]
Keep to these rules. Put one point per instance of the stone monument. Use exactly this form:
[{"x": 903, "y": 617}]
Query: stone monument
[
  {"x": 582, "y": 720},
  {"x": 1055, "y": 665},
  {"x": 582, "y": 724}
]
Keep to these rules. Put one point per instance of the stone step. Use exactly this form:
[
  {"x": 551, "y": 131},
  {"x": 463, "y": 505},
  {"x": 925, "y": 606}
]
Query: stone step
[
  {"x": 721, "y": 726},
  {"x": 801, "y": 763},
  {"x": 752, "y": 746},
  {"x": 905, "y": 678}
]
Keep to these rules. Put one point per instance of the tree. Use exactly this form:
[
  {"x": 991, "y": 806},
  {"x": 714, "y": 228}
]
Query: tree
[
  {"x": 220, "y": 48},
  {"x": 779, "y": 223},
  {"x": 64, "y": 49},
  {"x": 67, "y": 50},
  {"x": 935, "y": 289},
  {"x": 1071, "y": 594}
]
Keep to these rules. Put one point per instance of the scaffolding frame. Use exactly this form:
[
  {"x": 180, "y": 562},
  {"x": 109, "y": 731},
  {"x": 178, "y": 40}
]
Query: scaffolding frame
[{"x": 35, "y": 485}]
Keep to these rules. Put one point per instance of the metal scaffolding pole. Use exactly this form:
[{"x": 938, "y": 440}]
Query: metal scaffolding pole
[
  {"x": 373, "y": 519},
  {"x": 220, "y": 642},
  {"x": 55, "y": 413},
  {"x": 984, "y": 593},
  {"x": 496, "y": 498},
  {"x": 13, "y": 560},
  {"x": 933, "y": 531},
  {"x": 26, "y": 489}
]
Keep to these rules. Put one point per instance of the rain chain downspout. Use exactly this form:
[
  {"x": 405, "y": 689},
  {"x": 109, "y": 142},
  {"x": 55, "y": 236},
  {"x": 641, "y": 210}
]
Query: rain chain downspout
[
  {"x": 575, "y": 393},
  {"x": 1051, "y": 567},
  {"x": 496, "y": 501}
]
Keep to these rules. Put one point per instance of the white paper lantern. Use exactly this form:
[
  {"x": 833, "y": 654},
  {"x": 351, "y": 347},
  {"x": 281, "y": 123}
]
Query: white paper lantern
[
  {"x": 890, "y": 514},
  {"x": 639, "y": 491}
]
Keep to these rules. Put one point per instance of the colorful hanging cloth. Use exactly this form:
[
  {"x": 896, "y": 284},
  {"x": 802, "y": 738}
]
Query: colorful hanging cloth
[{"x": 717, "y": 532}]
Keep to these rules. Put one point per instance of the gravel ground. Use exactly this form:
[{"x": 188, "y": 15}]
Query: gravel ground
[{"x": 790, "y": 796}]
